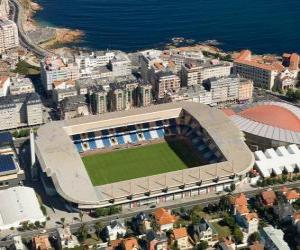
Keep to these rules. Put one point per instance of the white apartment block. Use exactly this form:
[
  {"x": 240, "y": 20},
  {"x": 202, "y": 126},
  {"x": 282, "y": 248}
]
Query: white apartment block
[
  {"x": 120, "y": 65},
  {"x": 21, "y": 86},
  {"x": 9, "y": 37},
  {"x": 20, "y": 111},
  {"x": 57, "y": 69}
]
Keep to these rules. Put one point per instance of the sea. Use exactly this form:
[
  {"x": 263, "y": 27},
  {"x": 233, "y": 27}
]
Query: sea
[{"x": 264, "y": 26}]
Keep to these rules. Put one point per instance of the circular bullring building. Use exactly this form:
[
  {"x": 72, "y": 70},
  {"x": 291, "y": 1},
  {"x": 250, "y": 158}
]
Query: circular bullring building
[{"x": 268, "y": 124}]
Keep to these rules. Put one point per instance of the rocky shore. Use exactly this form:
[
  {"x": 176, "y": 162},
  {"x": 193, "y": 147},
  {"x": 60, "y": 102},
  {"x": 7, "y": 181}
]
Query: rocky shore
[{"x": 58, "y": 38}]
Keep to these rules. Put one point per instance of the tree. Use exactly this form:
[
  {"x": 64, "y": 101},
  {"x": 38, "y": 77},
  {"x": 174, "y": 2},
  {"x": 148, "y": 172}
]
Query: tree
[
  {"x": 237, "y": 234},
  {"x": 83, "y": 232},
  {"x": 37, "y": 224},
  {"x": 224, "y": 204},
  {"x": 254, "y": 237},
  {"x": 98, "y": 227},
  {"x": 202, "y": 245},
  {"x": 232, "y": 186}
]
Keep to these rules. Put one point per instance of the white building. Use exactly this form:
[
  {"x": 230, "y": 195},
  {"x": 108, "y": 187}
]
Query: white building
[
  {"x": 9, "y": 37},
  {"x": 273, "y": 239},
  {"x": 66, "y": 238},
  {"x": 115, "y": 230},
  {"x": 21, "y": 205},
  {"x": 21, "y": 86},
  {"x": 278, "y": 160},
  {"x": 57, "y": 69}
]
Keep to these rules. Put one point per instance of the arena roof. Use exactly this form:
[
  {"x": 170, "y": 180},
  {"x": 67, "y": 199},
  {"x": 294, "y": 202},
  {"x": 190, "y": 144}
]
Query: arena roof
[
  {"x": 60, "y": 160},
  {"x": 273, "y": 120}
]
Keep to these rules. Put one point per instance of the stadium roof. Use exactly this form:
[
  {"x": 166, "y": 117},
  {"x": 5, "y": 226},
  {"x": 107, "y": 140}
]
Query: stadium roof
[
  {"x": 21, "y": 204},
  {"x": 273, "y": 120},
  {"x": 60, "y": 160}
]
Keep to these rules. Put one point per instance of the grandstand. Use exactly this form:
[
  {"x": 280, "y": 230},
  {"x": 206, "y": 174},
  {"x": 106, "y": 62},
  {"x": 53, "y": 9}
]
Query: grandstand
[{"x": 214, "y": 138}]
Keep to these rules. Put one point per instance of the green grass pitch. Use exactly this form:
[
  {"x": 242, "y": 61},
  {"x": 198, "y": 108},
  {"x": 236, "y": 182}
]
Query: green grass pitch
[{"x": 141, "y": 161}]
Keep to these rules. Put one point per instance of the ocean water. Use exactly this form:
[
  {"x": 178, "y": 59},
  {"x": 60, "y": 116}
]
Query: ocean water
[{"x": 264, "y": 26}]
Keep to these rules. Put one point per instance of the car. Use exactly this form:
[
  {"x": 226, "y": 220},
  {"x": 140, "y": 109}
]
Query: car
[{"x": 153, "y": 206}]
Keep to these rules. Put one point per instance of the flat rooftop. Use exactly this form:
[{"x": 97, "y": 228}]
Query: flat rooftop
[{"x": 60, "y": 160}]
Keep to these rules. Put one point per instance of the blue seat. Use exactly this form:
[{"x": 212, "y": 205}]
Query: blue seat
[
  {"x": 79, "y": 147},
  {"x": 160, "y": 132},
  {"x": 120, "y": 140},
  {"x": 159, "y": 123},
  {"x": 106, "y": 142},
  {"x": 76, "y": 138},
  {"x": 147, "y": 135},
  {"x": 105, "y": 132},
  {"x": 133, "y": 137},
  {"x": 91, "y": 141}
]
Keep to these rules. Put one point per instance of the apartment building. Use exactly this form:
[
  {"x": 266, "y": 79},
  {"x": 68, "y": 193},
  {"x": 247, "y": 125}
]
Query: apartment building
[
  {"x": 57, "y": 69},
  {"x": 120, "y": 65},
  {"x": 245, "y": 90},
  {"x": 9, "y": 37},
  {"x": 262, "y": 71},
  {"x": 94, "y": 59},
  {"x": 98, "y": 99},
  {"x": 20, "y": 86},
  {"x": 144, "y": 95},
  {"x": 195, "y": 72},
  {"x": 73, "y": 106},
  {"x": 165, "y": 82},
  {"x": 20, "y": 110}
]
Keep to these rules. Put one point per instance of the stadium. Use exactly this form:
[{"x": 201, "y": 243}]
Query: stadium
[
  {"x": 142, "y": 156},
  {"x": 268, "y": 124}
]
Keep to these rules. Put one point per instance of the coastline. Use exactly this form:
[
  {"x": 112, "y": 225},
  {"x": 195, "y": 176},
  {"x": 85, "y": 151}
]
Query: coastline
[{"x": 61, "y": 36}]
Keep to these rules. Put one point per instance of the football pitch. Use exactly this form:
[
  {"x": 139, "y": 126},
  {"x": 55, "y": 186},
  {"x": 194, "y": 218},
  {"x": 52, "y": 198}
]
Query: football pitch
[{"x": 146, "y": 160}]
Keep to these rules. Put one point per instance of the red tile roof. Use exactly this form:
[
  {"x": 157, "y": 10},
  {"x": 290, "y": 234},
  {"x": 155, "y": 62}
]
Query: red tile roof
[
  {"x": 163, "y": 217},
  {"x": 180, "y": 233},
  {"x": 269, "y": 197}
]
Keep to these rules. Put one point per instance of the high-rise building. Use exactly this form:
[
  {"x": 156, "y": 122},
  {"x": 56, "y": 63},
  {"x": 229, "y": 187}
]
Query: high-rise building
[
  {"x": 144, "y": 95},
  {"x": 20, "y": 110},
  {"x": 9, "y": 37},
  {"x": 165, "y": 82},
  {"x": 120, "y": 65},
  {"x": 98, "y": 100},
  {"x": 57, "y": 69}
]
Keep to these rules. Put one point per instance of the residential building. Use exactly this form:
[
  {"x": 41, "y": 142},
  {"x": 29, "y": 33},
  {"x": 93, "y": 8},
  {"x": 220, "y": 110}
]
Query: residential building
[
  {"x": 181, "y": 237},
  {"x": 61, "y": 94},
  {"x": 20, "y": 111},
  {"x": 157, "y": 241},
  {"x": 21, "y": 205},
  {"x": 74, "y": 106},
  {"x": 18, "y": 244},
  {"x": 165, "y": 82},
  {"x": 20, "y": 86},
  {"x": 249, "y": 223},
  {"x": 141, "y": 223},
  {"x": 273, "y": 239},
  {"x": 130, "y": 243},
  {"x": 205, "y": 231},
  {"x": 116, "y": 229},
  {"x": 291, "y": 195},
  {"x": 245, "y": 91},
  {"x": 164, "y": 219},
  {"x": 4, "y": 85},
  {"x": 66, "y": 238},
  {"x": 11, "y": 174},
  {"x": 296, "y": 221},
  {"x": 41, "y": 242},
  {"x": 9, "y": 37},
  {"x": 195, "y": 72},
  {"x": 268, "y": 197},
  {"x": 120, "y": 65},
  {"x": 57, "y": 69},
  {"x": 239, "y": 204},
  {"x": 144, "y": 95},
  {"x": 263, "y": 71},
  {"x": 99, "y": 100}
]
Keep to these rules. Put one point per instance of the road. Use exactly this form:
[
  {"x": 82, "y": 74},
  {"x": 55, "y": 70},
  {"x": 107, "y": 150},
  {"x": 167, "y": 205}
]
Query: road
[
  {"x": 17, "y": 11},
  {"x": 128, "y": 215}
]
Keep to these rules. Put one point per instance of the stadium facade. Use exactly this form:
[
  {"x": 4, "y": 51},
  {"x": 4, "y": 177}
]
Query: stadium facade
[{"x": 59, "y": 145}]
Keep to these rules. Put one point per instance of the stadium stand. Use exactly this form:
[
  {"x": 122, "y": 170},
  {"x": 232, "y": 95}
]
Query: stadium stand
[{"x": 149, "y": 131}]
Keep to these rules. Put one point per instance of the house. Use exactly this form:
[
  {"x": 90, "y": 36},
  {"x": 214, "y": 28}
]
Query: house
[
  {"x": 291, "y": 195},
  {"x": 296, "y": 220},
  {"x": 226, "y": 244},
  {"x": 18, "y": 243},
  {"x": 257, "y": 246},
  {"x": 141, "y": 223},
  {"x": 239, "y": 204},
  {"x": 181, "y": 237},
  {"x": 41, "y": 242},
  {"x": 273, "y": 239},
  {"x": 268, "y": 197},
  {"x": 205, "y": 231},
  {"x": 249, "y": 222},
  {"x": 116, "y": 229},
  {"x": 283, "y": 211},
  {"x": 156, "y": 241},
  {"x": 130, "y": 244},
  {"x": 164, "y": 219},
  {"x": 66, "y": 238}
]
